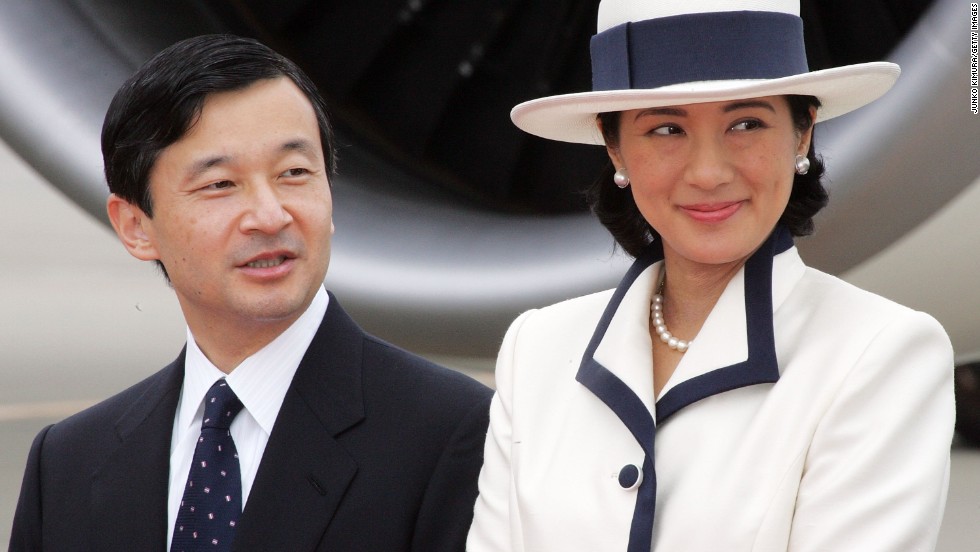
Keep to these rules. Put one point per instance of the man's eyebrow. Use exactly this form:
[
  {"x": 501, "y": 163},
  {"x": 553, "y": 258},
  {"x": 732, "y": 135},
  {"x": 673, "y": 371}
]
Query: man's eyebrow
[
  {"x": 301, "y": 145},
  {"x": 203, "y": 165}
]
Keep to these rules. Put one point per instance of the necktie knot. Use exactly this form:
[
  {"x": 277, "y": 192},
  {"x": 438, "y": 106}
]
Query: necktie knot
[{"x": 221, "y": 405}]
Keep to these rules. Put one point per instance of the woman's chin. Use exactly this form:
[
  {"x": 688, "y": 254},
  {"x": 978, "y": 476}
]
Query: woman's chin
[{"x": 712, "y": 252}]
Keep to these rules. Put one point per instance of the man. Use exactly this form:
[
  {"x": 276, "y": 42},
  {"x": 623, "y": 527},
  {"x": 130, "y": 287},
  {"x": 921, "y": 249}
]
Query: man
[{"x": 281, "y": 426}]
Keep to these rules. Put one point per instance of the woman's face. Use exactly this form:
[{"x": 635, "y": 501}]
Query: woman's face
[{"x": 713, "y": 178}]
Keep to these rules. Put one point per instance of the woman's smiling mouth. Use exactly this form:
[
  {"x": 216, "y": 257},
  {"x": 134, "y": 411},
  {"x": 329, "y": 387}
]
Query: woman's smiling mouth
[{"x": 712, "y": 212}]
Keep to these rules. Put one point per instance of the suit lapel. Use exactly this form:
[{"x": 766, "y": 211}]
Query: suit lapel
[
  {"x": 304, "y": 472},
  {"x": 129, "y": 492}
]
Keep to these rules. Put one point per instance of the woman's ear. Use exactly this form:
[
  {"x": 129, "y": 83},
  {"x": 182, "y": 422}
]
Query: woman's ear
[
  {"x": 807, "y": 136},
  {"x": 131, "y": 225},
  {"x": 615, "y": 157},
  {"x": 611, "y": 151}
]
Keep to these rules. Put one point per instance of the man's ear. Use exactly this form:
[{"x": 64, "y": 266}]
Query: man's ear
[{"x": 131, "y": 225}]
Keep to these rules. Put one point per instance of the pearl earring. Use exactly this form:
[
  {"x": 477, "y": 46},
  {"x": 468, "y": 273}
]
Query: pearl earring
[
  {"x": 802, "y": 165},
  {"x": 621, "y": 178}
]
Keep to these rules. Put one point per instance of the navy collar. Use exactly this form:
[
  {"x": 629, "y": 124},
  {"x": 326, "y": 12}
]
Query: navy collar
[{"x": 760, "y": 367}]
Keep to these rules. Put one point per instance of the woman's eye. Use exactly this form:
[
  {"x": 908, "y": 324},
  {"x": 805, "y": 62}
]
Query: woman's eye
[
  {"x": 750, "y": 124},
  {"x": 667, "y": 130}
]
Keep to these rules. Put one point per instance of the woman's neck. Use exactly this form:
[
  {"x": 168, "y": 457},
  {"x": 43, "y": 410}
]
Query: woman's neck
[{"x": 691, "y": 291}]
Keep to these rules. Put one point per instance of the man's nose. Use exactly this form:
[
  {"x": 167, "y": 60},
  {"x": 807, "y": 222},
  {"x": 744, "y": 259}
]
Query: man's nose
[{"x": 266, "y": 211}]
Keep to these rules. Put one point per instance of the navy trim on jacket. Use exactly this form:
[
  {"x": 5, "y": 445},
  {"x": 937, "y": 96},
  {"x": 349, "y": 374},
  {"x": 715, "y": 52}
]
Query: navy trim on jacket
[{"x": 760, "y": 367}]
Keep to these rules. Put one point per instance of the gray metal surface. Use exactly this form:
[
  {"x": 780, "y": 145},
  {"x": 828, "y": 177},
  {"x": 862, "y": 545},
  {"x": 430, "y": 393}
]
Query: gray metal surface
[
  {"x": 443, "y": 278},
  {"x": 894, "y": 163}
]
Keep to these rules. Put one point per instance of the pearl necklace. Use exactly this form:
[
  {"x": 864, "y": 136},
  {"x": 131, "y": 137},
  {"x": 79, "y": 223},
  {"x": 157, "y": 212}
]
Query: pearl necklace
[{"x": 659, "y": 326}]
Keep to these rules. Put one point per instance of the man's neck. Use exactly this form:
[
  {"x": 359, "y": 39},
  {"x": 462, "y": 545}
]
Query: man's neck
[
  {"x": 228, "y": 337},
  {"x": 227, "y": 347}
]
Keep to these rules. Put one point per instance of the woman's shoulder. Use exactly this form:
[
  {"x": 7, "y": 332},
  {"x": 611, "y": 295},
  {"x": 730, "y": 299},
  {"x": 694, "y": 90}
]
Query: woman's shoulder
[
  {"x": 581, "y": 305},
  {"x": 855, "y": 307},
  {"x": 571, "y": 315},
  {"x": 830, "y": 332},
  {"x": 552, "y": 337}
]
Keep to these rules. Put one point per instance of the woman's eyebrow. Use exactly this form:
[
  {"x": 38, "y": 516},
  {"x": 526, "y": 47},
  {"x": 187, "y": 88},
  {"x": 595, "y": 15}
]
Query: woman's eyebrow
[
  {"x": 748, "y": 104},
  {"x": 671, "y": 111}
]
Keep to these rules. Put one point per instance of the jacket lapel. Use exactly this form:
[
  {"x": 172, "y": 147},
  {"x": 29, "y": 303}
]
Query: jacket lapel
[
  {"x": 617, "y": 365},
  {"x": 129, "y": 492},
  {"x": 617, "y": 368},
  {"x": 304, "y": 472},
  {"x": 736, "y": 347}
]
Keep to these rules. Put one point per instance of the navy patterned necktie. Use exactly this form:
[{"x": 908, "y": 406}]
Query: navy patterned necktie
[{"x": 212, "y": 500}]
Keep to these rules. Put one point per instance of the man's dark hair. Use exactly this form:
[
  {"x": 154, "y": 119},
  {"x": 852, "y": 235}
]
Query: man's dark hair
[
  {"x": 617, "y": 210},
  {"x": 158, "y": 104}
]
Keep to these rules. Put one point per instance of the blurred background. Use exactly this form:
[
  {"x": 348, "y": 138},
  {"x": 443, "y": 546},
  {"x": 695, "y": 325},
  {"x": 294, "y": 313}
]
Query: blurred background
[{"x": 450, "y": 222}]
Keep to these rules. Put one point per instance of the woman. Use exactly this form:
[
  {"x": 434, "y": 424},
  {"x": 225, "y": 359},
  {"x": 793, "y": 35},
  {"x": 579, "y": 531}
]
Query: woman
[{"x": 724, "y": 397}]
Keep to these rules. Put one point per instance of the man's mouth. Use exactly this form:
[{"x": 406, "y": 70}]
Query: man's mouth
[{"x": 267, "y": 263}]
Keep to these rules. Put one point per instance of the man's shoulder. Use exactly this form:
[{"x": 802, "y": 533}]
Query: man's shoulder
[
  {"x": 393, "y": 371},
  {"x": 102, "y": 417},
  {"x": 409, "y": 373}
]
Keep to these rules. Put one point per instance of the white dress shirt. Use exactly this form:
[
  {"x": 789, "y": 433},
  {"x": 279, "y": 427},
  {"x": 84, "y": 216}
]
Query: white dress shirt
[{"x": 260, "y": 382}]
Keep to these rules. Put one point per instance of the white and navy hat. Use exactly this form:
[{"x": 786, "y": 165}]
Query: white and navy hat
[{"x": 656, "y": 53}]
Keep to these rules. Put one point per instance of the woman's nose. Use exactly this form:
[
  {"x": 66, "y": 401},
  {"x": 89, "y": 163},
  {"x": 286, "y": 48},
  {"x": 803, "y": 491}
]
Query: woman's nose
[{"x": 708, "y": 165}]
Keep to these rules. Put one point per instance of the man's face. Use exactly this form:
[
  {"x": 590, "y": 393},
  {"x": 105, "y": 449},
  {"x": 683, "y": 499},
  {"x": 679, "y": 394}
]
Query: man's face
[{"x": 242, "y": 210}]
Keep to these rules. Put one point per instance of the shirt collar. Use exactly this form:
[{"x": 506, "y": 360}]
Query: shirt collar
[{"x": 261, "y": 380}]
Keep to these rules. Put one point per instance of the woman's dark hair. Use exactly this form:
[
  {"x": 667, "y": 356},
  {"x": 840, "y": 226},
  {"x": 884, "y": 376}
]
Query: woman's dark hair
[
  {"x": 158, "y": 104},
  {"x": 617, "y": 210}
]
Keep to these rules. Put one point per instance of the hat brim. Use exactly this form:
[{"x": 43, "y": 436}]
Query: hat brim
[{"x": 572, "y": 117}]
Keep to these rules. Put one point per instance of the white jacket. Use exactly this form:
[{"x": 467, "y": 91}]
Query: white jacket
[{"x": 817, "y": 418}]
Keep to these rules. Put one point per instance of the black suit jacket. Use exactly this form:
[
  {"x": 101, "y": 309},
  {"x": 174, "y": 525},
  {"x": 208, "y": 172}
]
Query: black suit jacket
[{"x": 374, "y": 449}]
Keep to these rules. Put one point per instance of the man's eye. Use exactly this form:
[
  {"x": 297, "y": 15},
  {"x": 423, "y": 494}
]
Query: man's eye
[
  {"x": 220, "y": 185},
  {"x": 297, "y": 171}
]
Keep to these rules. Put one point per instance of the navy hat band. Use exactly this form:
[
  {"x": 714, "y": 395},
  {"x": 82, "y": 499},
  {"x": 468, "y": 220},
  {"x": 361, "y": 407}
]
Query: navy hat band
[{"x": 698, "y": 47}]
